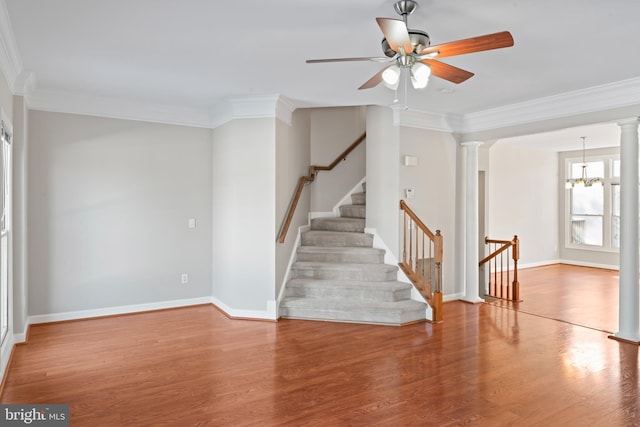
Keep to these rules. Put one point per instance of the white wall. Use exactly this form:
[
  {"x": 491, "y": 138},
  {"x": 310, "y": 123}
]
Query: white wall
[
  {"x": 383, "y": 182},
  {"x": 333, "y": 130},
  {"x": 292, "y": 162},
  {"x": 433, "y": 180},
  {"x": 244, "y": 217},
  {"x": 109, "y": 203},
  {"x": 523, "y": 200}
]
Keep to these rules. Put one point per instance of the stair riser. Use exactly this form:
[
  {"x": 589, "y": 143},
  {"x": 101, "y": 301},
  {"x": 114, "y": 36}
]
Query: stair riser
[
  {"x": 390, "y": 317},
  {"x": 322, "y": 224},
  {"x": 359, "y": 295},
  {"x": 348, "y": 240},
  {"x": 341, "y": 257},
  {"x": 353, "y": 211},
  {"x": 359, "y": 198},
  {"x": 372, "y": 276}
]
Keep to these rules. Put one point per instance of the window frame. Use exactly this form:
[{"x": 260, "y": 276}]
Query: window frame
[{"x": 608, "y": 181}]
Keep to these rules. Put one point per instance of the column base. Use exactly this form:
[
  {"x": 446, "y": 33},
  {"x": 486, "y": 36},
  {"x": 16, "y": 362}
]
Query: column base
[
  {"x": 626, "y": 340},
  {"x": 472, "y": 300}
]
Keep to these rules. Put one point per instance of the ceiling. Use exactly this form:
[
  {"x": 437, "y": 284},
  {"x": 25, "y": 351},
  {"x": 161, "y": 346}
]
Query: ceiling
[{"x": 198, "y": 54}]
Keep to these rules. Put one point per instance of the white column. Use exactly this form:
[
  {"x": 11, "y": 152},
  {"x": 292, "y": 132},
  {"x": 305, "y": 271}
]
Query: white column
[
  {"x": 472, "y": 271},
  {"x": 629, "y": 319}
]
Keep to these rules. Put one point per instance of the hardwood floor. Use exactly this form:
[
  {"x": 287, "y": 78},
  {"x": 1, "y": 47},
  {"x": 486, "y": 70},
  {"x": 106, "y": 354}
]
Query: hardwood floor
[
  {"x": 581, "y": 295},
  {"x": 485, "y": 365}
]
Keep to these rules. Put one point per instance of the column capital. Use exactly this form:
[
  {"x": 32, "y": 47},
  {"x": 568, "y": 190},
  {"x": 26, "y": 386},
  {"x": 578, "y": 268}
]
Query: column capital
[
  {"x": 629, "y": 121},
  {"x": 471, "y": 143}
]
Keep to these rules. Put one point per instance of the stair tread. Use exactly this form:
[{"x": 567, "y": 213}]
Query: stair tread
[
  {"x": 340, "y": 249},
  {"x": 336, "y": 233},
  {"x": 354, "y": 305},
  {"x": 347, "y": 266},
  {"x": 351, "y": 284}
]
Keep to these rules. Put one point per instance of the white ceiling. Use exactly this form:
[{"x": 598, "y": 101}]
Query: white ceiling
[{"x": 198, "y": 54}]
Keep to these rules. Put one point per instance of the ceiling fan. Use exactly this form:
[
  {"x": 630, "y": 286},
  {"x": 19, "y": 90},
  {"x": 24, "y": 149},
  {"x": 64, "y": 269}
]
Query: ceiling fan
[{"x": 411, "y": 50}]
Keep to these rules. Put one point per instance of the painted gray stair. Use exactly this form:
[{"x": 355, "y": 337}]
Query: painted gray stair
[
  {"x": 391, "y": 313},
  {"x": 349, "y": 289},
  {"x": 340, "y": 254},
  {"x": 355, "y": 225},
  {"x": 336, "y": 239},
  {"x": 359, "y": 198},
  {"x": 345, "y": 271},
  {"x": 353, "y": 211}
]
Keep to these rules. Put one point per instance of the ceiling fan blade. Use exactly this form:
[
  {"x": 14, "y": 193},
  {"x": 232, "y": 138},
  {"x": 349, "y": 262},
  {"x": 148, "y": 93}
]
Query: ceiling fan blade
[
  {"x": 396, "y": 33},
  {"x": 367, "y": 58},
  {"x": 473, "y": 44},
  {"x": 373, "y": 81},
  {"x": 447, "y": 72}
]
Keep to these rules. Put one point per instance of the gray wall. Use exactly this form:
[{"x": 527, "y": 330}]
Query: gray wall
[
  {"x": 523, "y": 200},
  {"x": 433, "y": 180},
  {"x": 383, "y": 181},
  {"x": 244, "y": 217},
  {"x": 292, "y": 162},
  {"x": 332, "y": 131},
  {"x": 109, "y": 203}
]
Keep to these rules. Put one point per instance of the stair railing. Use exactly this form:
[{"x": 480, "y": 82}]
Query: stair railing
[
  {"x": 422, "y": 259},
  {"x": 313, "y": 171},
  {"x": 502, "y": 253}
]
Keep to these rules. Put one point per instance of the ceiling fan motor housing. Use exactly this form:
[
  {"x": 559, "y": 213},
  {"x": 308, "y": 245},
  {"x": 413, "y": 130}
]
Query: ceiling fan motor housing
[{"x": 419, "y": 41}]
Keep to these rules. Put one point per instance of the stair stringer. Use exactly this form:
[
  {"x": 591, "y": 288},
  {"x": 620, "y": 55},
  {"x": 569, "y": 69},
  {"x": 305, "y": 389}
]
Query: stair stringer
[
  {"x": 389, "y": 258},
  {"x": 292, "y": 259}
]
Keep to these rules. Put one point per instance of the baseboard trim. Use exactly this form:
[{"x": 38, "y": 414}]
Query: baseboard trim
[
  {"x": 113, "y": 311},
  {"x": 269, "y": 314},
  {"x": 589, "y": 264}
]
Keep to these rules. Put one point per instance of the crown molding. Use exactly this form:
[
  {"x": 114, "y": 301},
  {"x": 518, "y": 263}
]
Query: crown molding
[
  {"x": 68, "y": 102},
  {"x": 10, "y": 62},
  {"x": 432, "y": 121},
  {"x": 270, "y": 106},
  {"x": 609, "y": 96}
]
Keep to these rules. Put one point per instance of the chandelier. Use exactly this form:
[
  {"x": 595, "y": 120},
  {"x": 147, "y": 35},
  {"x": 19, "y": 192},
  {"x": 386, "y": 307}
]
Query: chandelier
[{"x": 583, "y": 181}]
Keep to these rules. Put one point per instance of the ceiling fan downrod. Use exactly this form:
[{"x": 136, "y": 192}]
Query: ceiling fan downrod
[{"x": 405, "y": 8}]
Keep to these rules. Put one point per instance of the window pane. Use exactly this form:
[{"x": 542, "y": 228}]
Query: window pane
[
  {"x": 594, "y": 169},
  {"x": 586, "y": 230},
  {"x": 587, "y": 200},
  {"x": 616, "y": 168}
]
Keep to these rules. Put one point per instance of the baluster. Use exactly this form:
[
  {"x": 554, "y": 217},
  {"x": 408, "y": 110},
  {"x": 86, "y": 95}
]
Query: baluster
[{"x": 404, "y": 237}]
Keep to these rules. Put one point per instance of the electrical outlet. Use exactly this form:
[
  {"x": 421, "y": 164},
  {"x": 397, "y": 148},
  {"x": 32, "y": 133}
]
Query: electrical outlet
[{"x": 184, "y": 278}]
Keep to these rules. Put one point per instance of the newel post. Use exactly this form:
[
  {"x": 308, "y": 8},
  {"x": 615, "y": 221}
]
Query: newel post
[{"x": 515, "y": 254}]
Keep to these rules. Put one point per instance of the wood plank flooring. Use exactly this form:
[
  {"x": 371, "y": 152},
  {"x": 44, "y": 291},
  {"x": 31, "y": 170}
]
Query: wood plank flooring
[
  {"x": 485, "y": 365},
  {"x": 584, "y": 296}
]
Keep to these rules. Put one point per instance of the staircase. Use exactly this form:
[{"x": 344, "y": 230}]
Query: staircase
[{"x": 339, "y": 276}]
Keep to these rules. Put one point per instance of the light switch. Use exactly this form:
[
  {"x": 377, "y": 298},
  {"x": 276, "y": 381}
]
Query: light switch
[
  {"x": 192, "y": 223},
  {"x": 409, "y": 193}
]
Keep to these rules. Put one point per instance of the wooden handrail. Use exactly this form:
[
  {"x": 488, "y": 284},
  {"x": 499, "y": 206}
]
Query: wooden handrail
[
  {"x": 313, "y": 170},
  {"x": 422, "y": 254},
  {"x": 510, "y": 291}
]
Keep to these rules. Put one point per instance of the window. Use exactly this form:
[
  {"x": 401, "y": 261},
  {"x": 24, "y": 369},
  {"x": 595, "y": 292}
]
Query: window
[
  {"x": 594, "y": 211},
  {"x": 5, "y": 222}
]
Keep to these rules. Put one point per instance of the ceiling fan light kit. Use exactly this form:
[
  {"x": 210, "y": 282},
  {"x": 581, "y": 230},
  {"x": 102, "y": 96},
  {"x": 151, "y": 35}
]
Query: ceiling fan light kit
[{"x": 410, "y": 51}]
